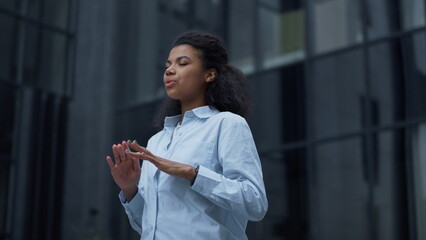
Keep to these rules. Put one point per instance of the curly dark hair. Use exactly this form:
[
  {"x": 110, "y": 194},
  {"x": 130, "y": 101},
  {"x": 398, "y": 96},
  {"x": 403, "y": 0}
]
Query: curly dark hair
[{"x": 228, "y": 92}]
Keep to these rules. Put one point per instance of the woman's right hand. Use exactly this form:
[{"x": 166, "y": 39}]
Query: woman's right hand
[{"x": 125, "y": 170}]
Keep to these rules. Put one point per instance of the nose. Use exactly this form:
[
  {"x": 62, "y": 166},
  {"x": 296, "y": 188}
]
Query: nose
[{"x": 170, "y": 71}]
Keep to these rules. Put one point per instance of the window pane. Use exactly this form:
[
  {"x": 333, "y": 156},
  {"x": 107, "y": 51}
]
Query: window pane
[
  {"x": 286, "y": 187},
  {"x": 336, "y": 23},
  {"x": 7, "y": 119},
  {"x": 390, "y": 185},
  {"x": 383, "y": 18},
  {"x": 7, "y": 47},
  {"x": 267, "y": 130},
  {"x": 279, "y": 107},
  {"x": 281, "y": 36},
  {"x": 413, "y": 12},
  {"x": 241, "y": 35},
  {"x": 177, "y": 5},
  {"x": 4, "y": 192},
  {"x": 53, "y": 62},
  {"x": 419, "y": 168},
  {"x": 341, "y": 199},
  {"x": 56, "y": 12},
  {"x": 414, "y": 50},
  {"x": 338, "y": 94},
  {"x": 45, "y": 60},
  {"x": 9, "y": 4},
  {"x": 53, "y": 12},
  {"x": 386, "y": 75},
  {"x": 175, "y": 27},
  {"x": 210, "y": 14}
]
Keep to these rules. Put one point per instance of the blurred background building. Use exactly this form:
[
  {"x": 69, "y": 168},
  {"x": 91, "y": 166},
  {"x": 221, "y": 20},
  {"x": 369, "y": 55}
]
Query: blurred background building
[{"x": 339, "y": 88}]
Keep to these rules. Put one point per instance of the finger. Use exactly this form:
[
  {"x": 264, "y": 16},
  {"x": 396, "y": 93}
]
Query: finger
[
  {"x": 139, "y": 155},
  {"x": 135, "y": 146},
  {"x": 125, "y": 145},
  {"x": 116, "y": 155},
  {"x": 121, "y": 152},
  {"x": 110, "y": 162},
  {"x": 136, "y": 165}
]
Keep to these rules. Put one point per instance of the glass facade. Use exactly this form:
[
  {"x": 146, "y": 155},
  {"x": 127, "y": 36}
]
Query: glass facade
[
  {"x": 35, "y": 78},
  {"x": 339, "y": 114}
]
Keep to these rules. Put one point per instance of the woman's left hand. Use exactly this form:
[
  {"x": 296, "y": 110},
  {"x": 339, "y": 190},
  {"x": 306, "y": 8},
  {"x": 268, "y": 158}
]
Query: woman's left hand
[{"x": 173, "y": 168}]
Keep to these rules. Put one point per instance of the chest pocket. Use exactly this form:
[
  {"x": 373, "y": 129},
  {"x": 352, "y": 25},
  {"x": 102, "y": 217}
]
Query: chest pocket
[{"x": 197, "y": 153}]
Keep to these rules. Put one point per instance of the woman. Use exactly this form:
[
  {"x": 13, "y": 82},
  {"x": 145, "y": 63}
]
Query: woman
[{"x": 203, "y": 178}]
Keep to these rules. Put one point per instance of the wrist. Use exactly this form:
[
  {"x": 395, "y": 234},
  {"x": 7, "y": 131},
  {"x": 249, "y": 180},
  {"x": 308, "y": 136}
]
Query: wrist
[
  {"x": 129, "y": 193},
  {"x": 195, "y": 174}
]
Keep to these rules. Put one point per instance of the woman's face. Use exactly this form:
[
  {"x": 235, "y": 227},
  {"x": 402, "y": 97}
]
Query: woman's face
[{"x": 185, "y": 79}]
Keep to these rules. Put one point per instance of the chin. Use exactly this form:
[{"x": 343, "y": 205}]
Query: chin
[{"x": 172, "y": 96}]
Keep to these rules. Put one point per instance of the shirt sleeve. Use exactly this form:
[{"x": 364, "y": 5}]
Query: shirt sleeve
[
  {"x": 134, "y": 210},
  {"x": 240, "y": 188}
]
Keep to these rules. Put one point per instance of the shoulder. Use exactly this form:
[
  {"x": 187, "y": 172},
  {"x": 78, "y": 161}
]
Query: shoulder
[
  {"x": 155, "y": 138},
  {"x": 229, "y": 121},
  {"x": 229, "y": 118}
]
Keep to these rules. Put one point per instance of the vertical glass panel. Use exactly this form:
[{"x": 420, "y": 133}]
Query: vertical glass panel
[
  {"x": 4, "y": 192},
  {"x": 32, "y": 55},
  {"x": 210, "y": 15},
  {"x": 53, "y": 62},
  {"x": 386, "y": 82},
  {"x": 338, "y": 94},
  {"x": 174, "y": 28},
  {"x": 413, "y": 13},
  {"x": 7, "y": 47},
  {"x": 341, "y": 202},
  {"x": 56, "y": 12},
  {"x": 336, "y": 24},
  {"x": 52, "y": 12},
  {"x": 419, "y": 168},
  {"x": 272, "y": 3},
  {"x": 9, "y": 4},
  {"x": 414, "y": 50},
  {"x": 267, "y": 130},
  {"x": 293, "y": 105},
  {"x": 382, "y": 18},
  {"x": 46, "y": 59},
  {"x": 7, "y": 113},
  {"x": 389, "y": 185},
  {"x": 34, "y": 8},
  {"x": 286, "y": 186},
  {"x": 281, "y": 36},
  {"x": 279, "y": 107},
  {"x": 241, "y": 34},
  {"x": 177, "y": 5}
]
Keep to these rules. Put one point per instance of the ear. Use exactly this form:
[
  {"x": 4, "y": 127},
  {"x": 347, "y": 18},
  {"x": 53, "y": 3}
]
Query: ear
[{"x": 210, "y": 75}]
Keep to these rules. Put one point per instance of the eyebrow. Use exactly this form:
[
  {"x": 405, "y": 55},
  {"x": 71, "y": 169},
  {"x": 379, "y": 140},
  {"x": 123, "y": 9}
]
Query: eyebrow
[{"x": 180, "y": 58}]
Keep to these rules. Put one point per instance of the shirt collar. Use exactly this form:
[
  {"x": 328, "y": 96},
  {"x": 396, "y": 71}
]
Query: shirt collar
[{"x": 200, "y": 112}]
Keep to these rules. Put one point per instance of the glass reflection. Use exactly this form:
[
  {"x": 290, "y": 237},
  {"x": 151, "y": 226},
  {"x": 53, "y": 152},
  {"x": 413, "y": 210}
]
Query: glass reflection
[
  {"x": 286, "y": 185},
  {"x": 386, "y": 83},
  {"x": 336, "y": 24},
  {"x": 414, "y": 50},
  {"x": 7, "y": 47},
  {"x": 413, "y": 13},
  {"x": 418, "y": 149},
  {"x": 241, "y": 34},
  {"x": 382, "y": 18},
  {"x": 342, "y": 193},
  {"x": 338, "y": 98},
  {"x": 281, "y": 36}
]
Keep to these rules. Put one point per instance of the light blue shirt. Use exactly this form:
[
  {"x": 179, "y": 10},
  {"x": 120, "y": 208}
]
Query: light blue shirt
[{"x": 227, "y": 192}]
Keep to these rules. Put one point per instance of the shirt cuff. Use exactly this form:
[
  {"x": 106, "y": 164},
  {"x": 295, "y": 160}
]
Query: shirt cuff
[
  {"x": 205, "y": 181},
  {"x": 133, "y": 205}
]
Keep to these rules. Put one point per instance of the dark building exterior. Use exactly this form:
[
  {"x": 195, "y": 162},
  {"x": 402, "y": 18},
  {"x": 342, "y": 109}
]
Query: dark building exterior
[{"x": 339, "y": 92}]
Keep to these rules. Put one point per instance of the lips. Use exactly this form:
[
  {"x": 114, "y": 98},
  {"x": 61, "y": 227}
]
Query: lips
[{"x": 169, "y": 83}]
